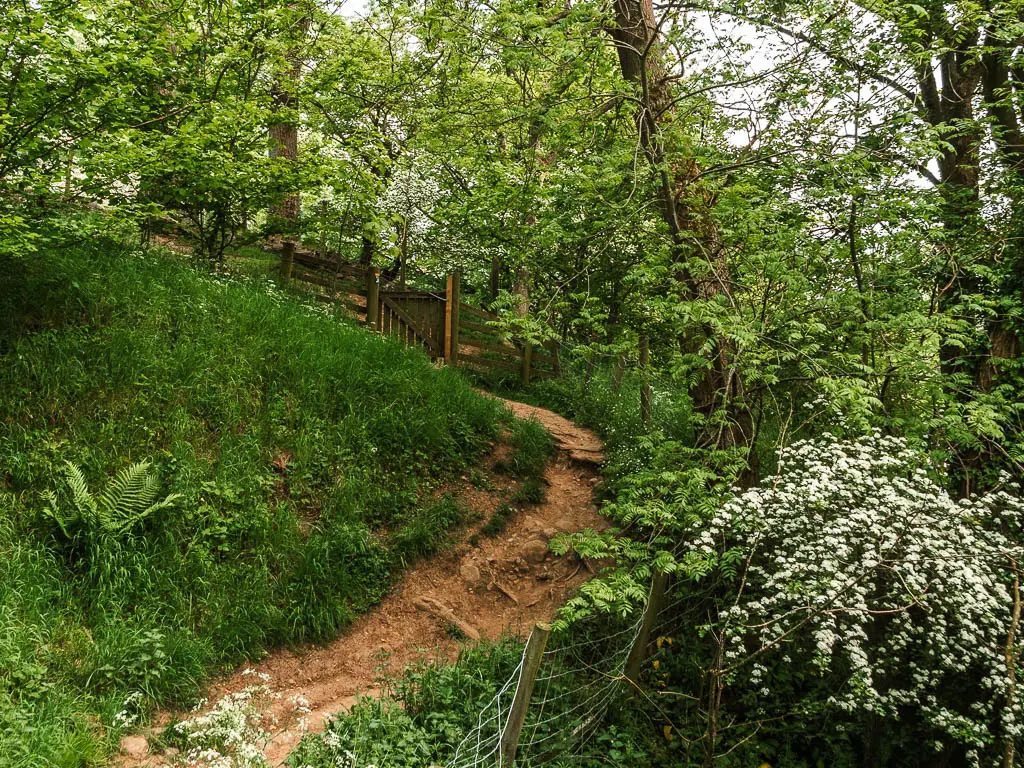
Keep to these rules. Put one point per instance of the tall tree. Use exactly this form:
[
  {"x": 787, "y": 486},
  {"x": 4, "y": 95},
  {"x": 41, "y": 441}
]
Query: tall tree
[
  {"x": 284, "y": 126},
  {"x": 698, "y": 254}
]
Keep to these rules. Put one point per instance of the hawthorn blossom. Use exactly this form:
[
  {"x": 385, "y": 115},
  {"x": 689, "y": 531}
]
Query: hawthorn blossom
[{"x": 853, "y": 559}]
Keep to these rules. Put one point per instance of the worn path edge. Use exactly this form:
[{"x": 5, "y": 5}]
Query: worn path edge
[{"x": 495, "y": 587}]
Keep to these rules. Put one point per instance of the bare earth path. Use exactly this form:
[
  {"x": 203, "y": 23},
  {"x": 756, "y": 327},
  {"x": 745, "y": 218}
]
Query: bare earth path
[{"x": 493, "y": 587}]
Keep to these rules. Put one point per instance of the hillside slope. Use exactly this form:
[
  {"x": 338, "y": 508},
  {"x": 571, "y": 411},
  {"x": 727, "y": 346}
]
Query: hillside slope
[
  {"x": 304, "y": 453},
  {"x": 489, "y": 586}
]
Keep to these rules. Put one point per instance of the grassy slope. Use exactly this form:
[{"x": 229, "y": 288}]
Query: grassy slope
[{"x": 108, "y": 357}]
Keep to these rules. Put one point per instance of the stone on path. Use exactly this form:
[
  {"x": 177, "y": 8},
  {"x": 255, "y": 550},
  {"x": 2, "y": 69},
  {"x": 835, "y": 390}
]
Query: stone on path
[
  {"x": 135, "y": 746},
  {"x": 535, "y": 550},
  {"x": 470, "y": 574}
]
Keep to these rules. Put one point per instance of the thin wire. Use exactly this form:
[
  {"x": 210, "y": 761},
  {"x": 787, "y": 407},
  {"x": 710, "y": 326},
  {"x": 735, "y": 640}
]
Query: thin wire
[{"x": 585, "y": 702}]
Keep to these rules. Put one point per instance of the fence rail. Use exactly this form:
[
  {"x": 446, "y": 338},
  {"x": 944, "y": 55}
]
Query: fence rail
[{"x": 469, "y": 337}]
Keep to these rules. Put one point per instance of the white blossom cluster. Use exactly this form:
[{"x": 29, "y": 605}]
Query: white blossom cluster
[
  {"x": 131, "y": 710},
  {"x": 229, "y": 735},
  {"x": 301, "y": 710},
  {"x": 854, "y": 562}
]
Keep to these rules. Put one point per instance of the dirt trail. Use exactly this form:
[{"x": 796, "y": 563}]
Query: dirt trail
[{"x": 492, "y": 586}]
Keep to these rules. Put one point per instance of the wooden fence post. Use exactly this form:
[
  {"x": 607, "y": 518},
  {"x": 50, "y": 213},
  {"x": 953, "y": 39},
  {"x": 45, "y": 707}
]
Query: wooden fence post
[
  {"x": 645, "y": 388},
  {"x": 452, "y": 312},
  {"x": 527, "y": 362},
  {"x": 287, "y": 259},
  {"x": 638, "y": 653},
  {"x": 372, "y": 298},
  {"x": 532, "y": 658}
]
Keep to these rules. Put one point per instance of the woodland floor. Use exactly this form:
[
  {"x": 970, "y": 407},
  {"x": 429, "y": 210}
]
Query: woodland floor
[{"x": 491, "y": 586}]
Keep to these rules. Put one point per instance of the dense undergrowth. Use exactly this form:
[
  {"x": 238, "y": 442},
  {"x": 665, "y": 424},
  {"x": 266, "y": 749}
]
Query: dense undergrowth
[
  {"x": 304, "y": 453},
  {"x": 433, "y": 713},
  {"x": 847, "y": 612},
  {"x": 807, "y": 607}
]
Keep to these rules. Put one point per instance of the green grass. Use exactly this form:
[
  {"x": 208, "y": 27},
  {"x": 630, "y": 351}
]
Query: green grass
[
  {"x": 498, "y": 521},
  {"x": 302, "y": 447},
  {"x": 532, "y": 491},
  {"x": 253, "y": 261},
  {"x": 424, "y": 529},
  {"x": 532, "y": 445}
]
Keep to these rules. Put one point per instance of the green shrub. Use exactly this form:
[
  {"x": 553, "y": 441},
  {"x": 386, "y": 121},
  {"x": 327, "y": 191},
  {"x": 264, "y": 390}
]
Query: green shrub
[{"x": 421, "y": 719}]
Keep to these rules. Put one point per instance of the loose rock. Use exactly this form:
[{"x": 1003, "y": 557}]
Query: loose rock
[
  {"x": 135, "y": 746},
  {"x": 470, "y": 574},
  {"x": 535, "y": 550}
]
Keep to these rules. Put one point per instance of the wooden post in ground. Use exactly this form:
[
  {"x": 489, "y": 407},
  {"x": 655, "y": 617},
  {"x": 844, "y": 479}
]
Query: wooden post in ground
[
  {"x": 373, "y": 298},
  {"x": 452, "y": 310},
  {"x": 532, "y": 658},
  {"x": 638, "y": 653},
  {"x": 287, "y": 259},
  {"x": 527, "y": 362},
  {"x": 646, "y": 415}
]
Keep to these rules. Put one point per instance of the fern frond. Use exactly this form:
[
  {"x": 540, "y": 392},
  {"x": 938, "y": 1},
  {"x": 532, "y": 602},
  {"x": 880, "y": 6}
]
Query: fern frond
[
  {"x": 81, "y": 498},
  {"x": 52, "y": 511},
  {"x": 128, "y": 497},
  {"x": 170, "y": 501}
]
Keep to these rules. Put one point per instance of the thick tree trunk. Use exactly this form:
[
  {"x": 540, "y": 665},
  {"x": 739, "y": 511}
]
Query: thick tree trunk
[
  {"x": 284, "y": 131},
  {"x": 284, "y": 139},
  {"x": 521, "y": 289},
  {"x": 702, "y": 270}
]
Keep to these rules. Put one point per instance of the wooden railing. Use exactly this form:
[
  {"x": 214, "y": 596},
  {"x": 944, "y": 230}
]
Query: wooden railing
[{"x": 438, "y": 321}]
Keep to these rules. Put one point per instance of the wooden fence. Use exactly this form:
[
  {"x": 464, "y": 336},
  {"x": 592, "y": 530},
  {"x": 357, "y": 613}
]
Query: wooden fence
[{"x": 438, "y": 321}]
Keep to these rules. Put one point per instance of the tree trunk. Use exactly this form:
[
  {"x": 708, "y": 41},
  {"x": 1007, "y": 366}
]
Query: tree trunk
[
  {"x": 366, "y": 252},
  {"x": 522, "y": 291},
  {"x": 285, "y": 144},
  {"x": 700, "y": 261},
  {"x": 284, "y": 130},
  {"x": 963, "y": 75}
]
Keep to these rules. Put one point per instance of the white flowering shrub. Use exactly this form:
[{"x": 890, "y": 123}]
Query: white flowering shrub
[
  {"x": 131, "y": 710},
  {"x": 228, "y": 735},
  {"x": 854, "y": 578}
]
